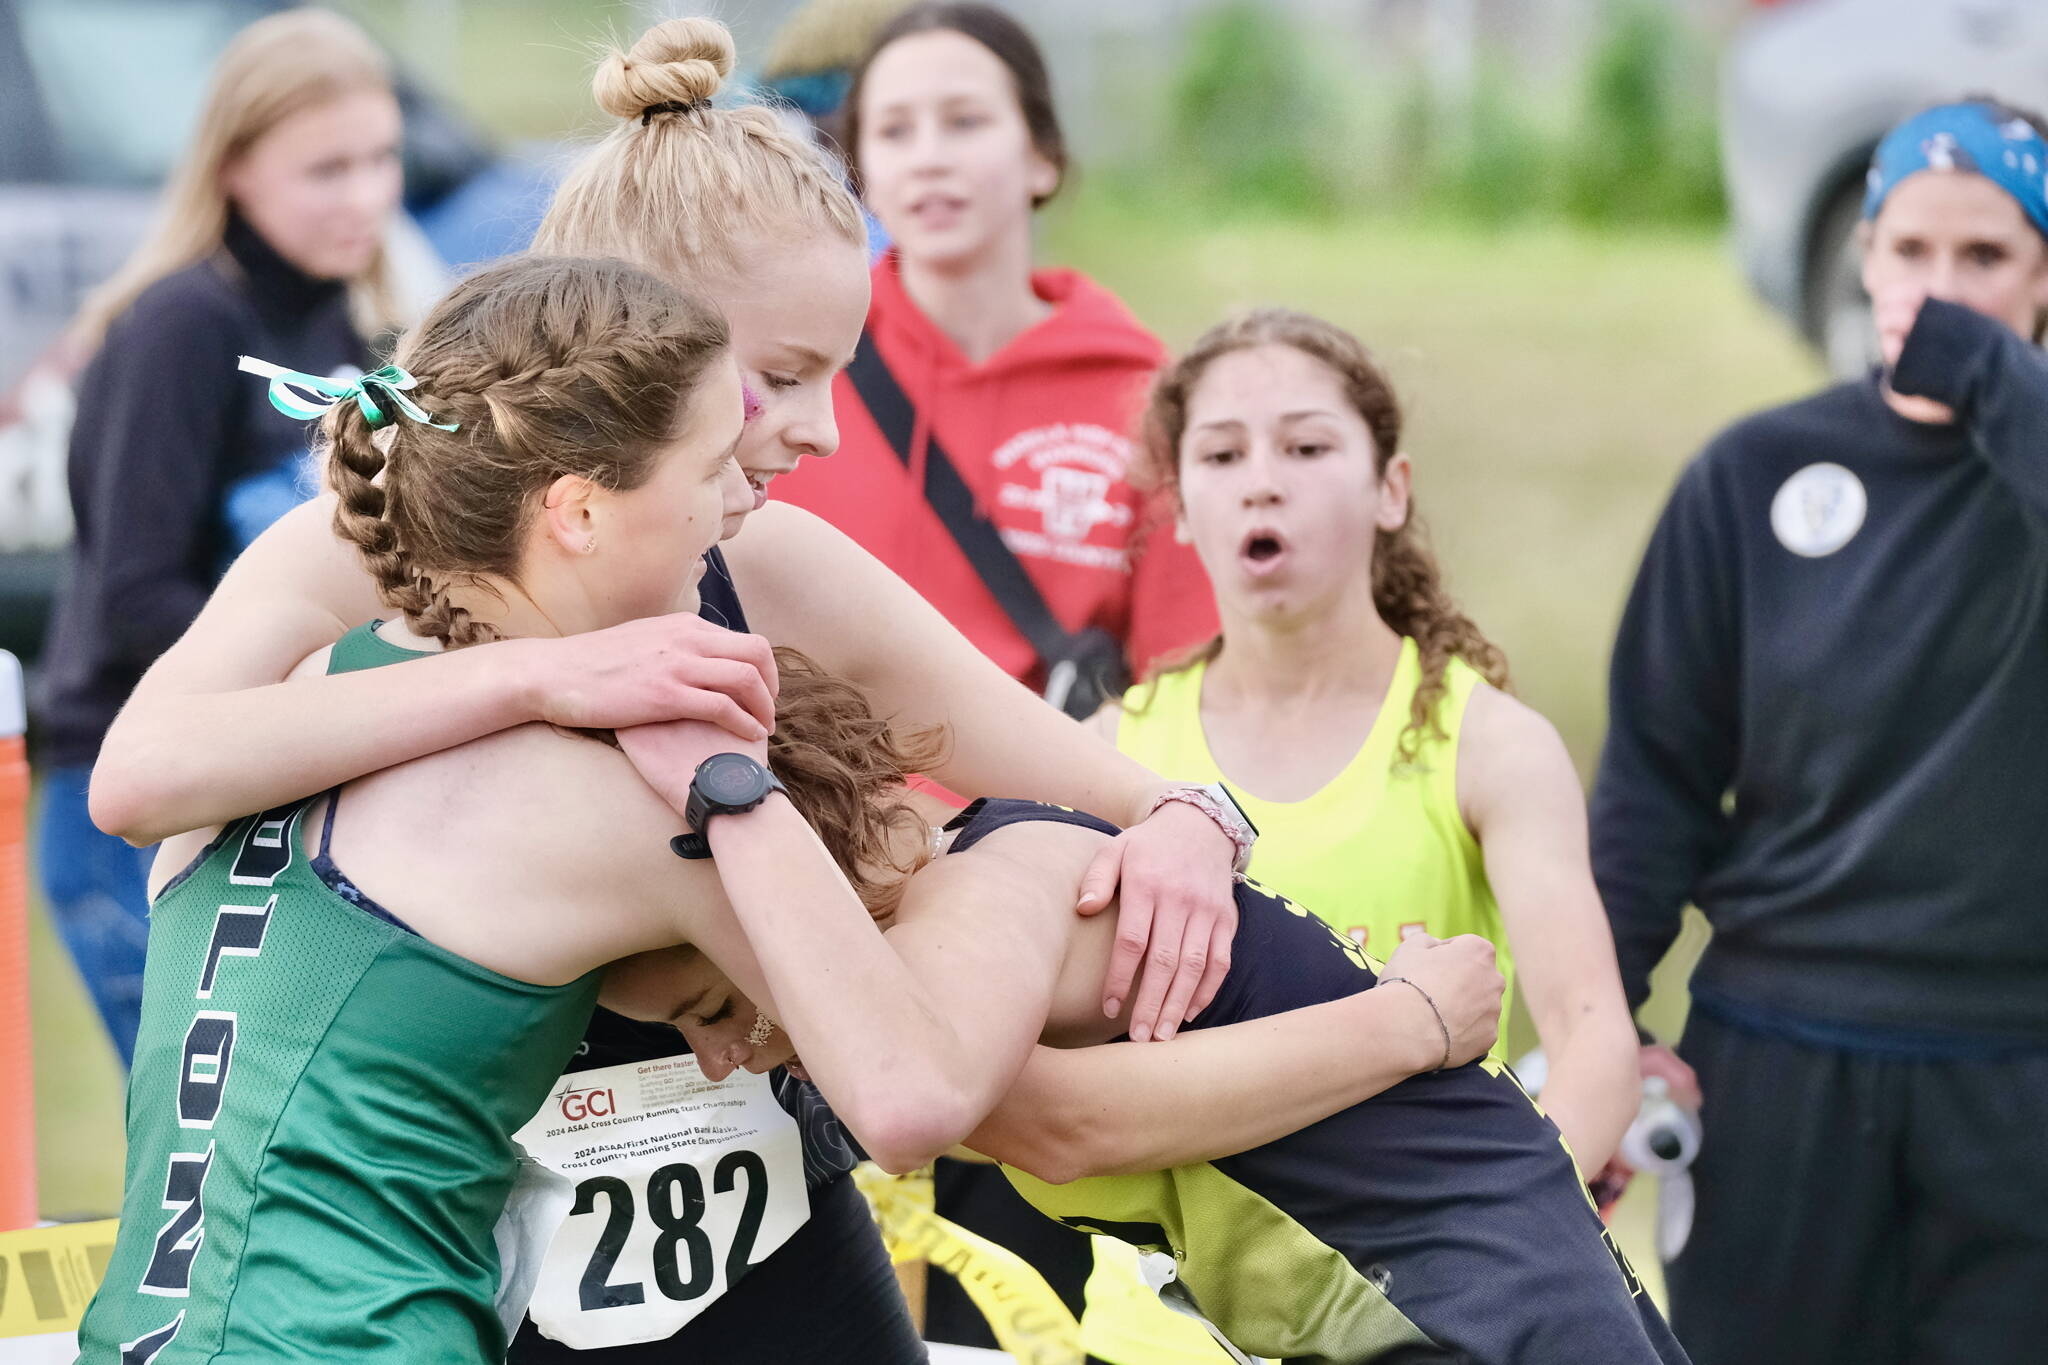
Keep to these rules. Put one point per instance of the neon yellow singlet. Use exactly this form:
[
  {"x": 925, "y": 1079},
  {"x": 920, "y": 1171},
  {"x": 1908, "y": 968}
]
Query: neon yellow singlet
[{"x": 1378, "y": 849}]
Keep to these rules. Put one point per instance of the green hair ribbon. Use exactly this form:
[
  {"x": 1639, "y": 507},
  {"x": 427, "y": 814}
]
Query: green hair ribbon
[{"x": 380, "y": 394}]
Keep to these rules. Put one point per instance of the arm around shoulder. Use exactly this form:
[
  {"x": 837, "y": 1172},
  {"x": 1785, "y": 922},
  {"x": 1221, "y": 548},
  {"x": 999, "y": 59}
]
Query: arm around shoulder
[
  {"x": 809, "y": 586},
  {"x": 210, "y": 734},
  {"x": 1126, "y": 1107}
]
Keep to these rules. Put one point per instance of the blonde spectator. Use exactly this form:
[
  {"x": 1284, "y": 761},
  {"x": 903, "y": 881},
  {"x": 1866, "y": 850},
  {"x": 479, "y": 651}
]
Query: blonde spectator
[{"x": 269, "y": 241}]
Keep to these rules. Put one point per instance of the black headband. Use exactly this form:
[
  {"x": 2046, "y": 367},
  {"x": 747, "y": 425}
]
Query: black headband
[{"x": 672, "y": 107}]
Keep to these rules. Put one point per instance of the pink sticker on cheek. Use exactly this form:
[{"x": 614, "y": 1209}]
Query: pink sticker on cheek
[{"x": 750, "y": 402}]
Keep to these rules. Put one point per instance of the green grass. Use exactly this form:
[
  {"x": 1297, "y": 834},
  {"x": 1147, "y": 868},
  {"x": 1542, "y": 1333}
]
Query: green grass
[
  {"x": 78, "y": 1086},
  {"x": 1555, "y": 381}
]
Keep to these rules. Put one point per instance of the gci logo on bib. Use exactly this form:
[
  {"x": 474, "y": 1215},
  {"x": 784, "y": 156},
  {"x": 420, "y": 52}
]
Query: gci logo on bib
[
  {"x": 645, "y": 1191},
  {"x": 1818, "y": 510}
]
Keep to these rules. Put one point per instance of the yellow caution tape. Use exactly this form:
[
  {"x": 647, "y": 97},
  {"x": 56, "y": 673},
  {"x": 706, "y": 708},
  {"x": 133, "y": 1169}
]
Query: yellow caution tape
[
  {"x": 1028, "y": 1319},
  {"x": 48, "y": 1275}
]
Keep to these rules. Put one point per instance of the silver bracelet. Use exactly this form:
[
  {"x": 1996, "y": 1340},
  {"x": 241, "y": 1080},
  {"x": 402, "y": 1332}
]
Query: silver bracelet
[{"x": 1390, "y": 980}]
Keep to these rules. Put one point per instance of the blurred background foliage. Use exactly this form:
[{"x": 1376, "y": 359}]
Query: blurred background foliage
[{"x": 1260, "y": 117}]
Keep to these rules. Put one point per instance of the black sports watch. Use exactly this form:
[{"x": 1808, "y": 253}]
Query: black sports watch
[{"x": 724, "y": 784}]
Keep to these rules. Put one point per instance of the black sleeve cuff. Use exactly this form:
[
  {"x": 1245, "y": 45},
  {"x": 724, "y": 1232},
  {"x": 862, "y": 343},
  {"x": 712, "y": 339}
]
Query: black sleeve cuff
[{"x": 1935, "y": 362}]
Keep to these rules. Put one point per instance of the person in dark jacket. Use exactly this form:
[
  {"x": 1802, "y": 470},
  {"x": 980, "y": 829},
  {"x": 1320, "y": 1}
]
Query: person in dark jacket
[
  {"x": 270, "y": 243},
  {"x": 1829, "y": 731}
]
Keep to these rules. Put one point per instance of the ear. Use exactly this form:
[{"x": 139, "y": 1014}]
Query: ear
[
  {"x": 1043, "y": 178},
  {"x": 1183, "y": 534},
  {"x": 567, "y": 516},
  {"x": 232, "y": 176},
  {"x": 2040, "y": 290},
  {"x": 1866, "y": 233},
  {"x": 1395, "y": 482}
]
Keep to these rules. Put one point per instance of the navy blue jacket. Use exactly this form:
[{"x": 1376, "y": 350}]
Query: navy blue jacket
[
  {"x": 170, "y": 444},
  {"x": 1829, "y": 712}
]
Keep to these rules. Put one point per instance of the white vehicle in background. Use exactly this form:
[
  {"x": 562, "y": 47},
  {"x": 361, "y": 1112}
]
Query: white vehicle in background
[{"x": 1808, "y": 89}]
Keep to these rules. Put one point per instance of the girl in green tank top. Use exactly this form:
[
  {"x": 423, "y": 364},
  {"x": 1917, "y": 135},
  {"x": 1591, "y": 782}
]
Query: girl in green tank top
[{"x": 1359, "y": 716}]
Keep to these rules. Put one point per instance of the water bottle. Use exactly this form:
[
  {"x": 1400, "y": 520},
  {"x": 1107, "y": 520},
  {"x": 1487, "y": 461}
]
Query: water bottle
[
  {"x": 1665, "y": 1137},
  {"x": 1662, "y": 1140}
]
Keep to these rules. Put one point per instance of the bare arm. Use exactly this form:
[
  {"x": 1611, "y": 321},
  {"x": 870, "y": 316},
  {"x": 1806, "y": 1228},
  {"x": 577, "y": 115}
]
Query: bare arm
[
  {"x": 906, "y": 1037},
  {"x": 805, "y": 584},
  {"x": 1523, "y": 802},
  {"x": 809, "y": 586},
  {"x": 212, "y": 733},
  {"x": 1124, "y": 1107}
]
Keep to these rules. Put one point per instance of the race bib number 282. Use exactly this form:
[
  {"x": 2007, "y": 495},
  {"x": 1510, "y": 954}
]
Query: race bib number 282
[{"x": 645, "y": 1191}]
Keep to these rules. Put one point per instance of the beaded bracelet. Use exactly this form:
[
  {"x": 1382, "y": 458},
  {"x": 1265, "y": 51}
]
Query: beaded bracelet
[{"x": 1390, "y": 980}]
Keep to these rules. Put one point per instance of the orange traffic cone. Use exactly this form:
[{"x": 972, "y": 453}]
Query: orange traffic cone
[{"x": 17, "y": 1080}]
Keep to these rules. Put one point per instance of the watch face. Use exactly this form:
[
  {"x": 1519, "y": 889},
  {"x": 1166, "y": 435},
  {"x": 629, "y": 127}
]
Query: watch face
[{"x": 731, "y": 779}]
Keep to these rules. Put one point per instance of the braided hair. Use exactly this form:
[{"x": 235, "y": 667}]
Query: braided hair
[{"x": 547, "y": 366}]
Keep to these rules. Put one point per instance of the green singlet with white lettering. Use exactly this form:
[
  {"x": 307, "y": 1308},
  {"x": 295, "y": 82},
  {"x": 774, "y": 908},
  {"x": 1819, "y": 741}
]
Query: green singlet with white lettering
[{"x": 319, "y": 1122}]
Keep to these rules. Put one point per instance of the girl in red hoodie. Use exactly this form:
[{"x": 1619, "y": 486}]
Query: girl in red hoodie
[{"x": 1024, "y": 381}]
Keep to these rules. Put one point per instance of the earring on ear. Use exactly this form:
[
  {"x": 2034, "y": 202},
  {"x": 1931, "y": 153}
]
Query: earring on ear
[{"x": 590, "y": 546}]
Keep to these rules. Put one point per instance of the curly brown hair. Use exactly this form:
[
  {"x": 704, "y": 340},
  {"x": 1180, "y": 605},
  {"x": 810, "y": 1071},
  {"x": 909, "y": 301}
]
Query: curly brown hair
[
  {"x": 546, "y": 366},
  {"x": 845, "y": 768},
  {"x": 558, "y": 365},
  {"x": 1407, "y": 584}
]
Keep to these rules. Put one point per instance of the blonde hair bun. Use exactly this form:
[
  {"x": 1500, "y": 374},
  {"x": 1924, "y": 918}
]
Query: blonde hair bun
[{"x": 677, "y": 61}]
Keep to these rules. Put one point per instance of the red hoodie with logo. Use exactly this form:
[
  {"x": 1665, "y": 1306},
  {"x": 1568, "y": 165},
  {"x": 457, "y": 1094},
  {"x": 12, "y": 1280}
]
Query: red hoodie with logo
[{"x": 1041, "y": 432}]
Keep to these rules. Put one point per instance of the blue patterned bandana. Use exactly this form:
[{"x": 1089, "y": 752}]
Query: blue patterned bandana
[{"x": 1965, "y": 137}]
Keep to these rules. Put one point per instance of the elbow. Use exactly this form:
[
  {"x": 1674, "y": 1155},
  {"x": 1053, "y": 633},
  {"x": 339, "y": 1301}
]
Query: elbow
[
  {"x": 121, "y": 801},
  {"x": 907, "y": 1130},
  {"x": 1603, "y": 1045},
  {"x": 1055, "y": 1166},
  {"x": 1060, "y": 1148}
]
